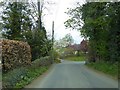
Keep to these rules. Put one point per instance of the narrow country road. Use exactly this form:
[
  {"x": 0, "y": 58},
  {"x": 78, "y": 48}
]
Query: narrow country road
[{"x": 70, "y": 74}]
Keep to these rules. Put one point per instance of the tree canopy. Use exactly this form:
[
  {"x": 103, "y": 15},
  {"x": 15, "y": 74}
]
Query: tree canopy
[
  {"x": 19, "y": 24},
  {"x": 99, "y": 23}
]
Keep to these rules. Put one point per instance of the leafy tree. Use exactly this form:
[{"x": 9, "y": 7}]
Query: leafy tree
[
  {"x": 38, "y": 11},
  {"x": 40, "y": 46},
  {"x": 67, "y": 40},
  {"x": 114, "y": 37},
  {"x": 74, "y": 21},
  {"x": 100, "y": 24},
  {"x": 60, "y": 45},
  {"x": 16, "y": 20}
]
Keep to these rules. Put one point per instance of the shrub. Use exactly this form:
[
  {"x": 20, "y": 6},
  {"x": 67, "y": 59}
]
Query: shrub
[
  {"x": 22, "y": 76},
  {"x": 10, "y": 79},
  {"x": 15, "y": 54},
  {"x": 40, "y": 45},
  {"x": 57, "y": 60},
  {"x": 0, "y": 51},
  {"x": 43, "y": 61}
]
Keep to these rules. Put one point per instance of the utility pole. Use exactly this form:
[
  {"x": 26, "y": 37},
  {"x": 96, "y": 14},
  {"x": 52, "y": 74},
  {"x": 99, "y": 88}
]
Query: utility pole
[
  {"x": 39, "y": 15},
  {"x": 52, "y": 42}
]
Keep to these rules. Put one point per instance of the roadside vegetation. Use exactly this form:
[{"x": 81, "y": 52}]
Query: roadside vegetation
[
  {"x": 26, "y": 47},
  {"x": 81, "y": 57},
  {"x": 22, "y": 76},
  {"x": 99, "y": 24},
  {"x": 19, "y": 78},
  {"x": 105, "y": 67},
  {"x": 31, "y": 75},
  {"x": 28, "y": 51},
  {"x": 75, "y": 58}
]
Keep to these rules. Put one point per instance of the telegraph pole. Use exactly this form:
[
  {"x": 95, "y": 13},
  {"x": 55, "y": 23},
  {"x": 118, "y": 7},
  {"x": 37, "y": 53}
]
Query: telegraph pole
[
  {"x": 52, "y": 42},
  {"x": 39, "y": 15}
]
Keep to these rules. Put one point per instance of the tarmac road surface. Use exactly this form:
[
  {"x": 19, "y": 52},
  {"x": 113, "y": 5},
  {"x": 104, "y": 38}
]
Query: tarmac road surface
[{"x": 72, "y": 74}]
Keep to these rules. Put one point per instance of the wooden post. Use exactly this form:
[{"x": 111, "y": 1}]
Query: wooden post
[{"x": 52, "y": 42}]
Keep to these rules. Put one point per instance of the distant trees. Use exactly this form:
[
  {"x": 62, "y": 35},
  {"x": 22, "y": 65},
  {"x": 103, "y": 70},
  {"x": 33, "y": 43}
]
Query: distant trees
[
  {"x": 65, "y": 41},
  {"x": 99, "y": 23},
  {"x": 60, "y": 45}
]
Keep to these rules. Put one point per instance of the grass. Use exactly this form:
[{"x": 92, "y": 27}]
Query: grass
[
  {"x": 18, "y": 80},
  {"x": 19, "y": 77},
  {"x": 0, "y": 72},
  {"x": 105, "y": 67},
  {"x": 31, "y": 75},
  {"x": 0, "y": 77},
  {"x": 76, "y": 58}
]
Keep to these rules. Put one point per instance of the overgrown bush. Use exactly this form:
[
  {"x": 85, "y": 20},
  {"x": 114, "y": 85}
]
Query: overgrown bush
[
  {"x": 39, "y": 43},
  {"x": 68, "y": 52},
  {"x": 43, "y": 61},
  {"x": 10, "y": 79},
  {"x": 15, "y": 54},
  {"x": 55, "y": 56},
  {"x": 57, "y": 60},
  {"x": 22, "y": 76}
]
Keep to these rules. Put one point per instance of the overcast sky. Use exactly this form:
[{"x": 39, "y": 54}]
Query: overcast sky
[{"x": 57, "y": 14}]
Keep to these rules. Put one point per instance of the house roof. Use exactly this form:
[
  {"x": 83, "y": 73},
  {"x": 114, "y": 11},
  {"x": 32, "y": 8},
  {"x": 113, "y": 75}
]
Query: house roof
[{"x": 80, "y": 46}]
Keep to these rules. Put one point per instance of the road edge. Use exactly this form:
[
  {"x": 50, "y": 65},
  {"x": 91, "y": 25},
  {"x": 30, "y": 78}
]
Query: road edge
[
  {"x": 41, "y": 76},
  {"x": 105, "y": 74}
]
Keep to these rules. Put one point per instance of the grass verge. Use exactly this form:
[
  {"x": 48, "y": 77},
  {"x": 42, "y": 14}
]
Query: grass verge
[
  {"x": 31, "y": 75},
  {"x": 76, "y": 58},
  {"x": 105, "y": 67},
  {"x": 22, "y": 76}
]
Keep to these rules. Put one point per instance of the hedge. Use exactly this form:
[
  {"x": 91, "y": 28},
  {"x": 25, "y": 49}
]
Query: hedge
[
  {"x": 15, "y": 54},
  {"x": 43, "y": 61}
]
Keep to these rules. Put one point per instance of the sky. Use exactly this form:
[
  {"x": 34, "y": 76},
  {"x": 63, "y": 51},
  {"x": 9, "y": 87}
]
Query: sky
[
  {"x": 56, "y": 12},
  {"x": 58, "y": 15}
]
